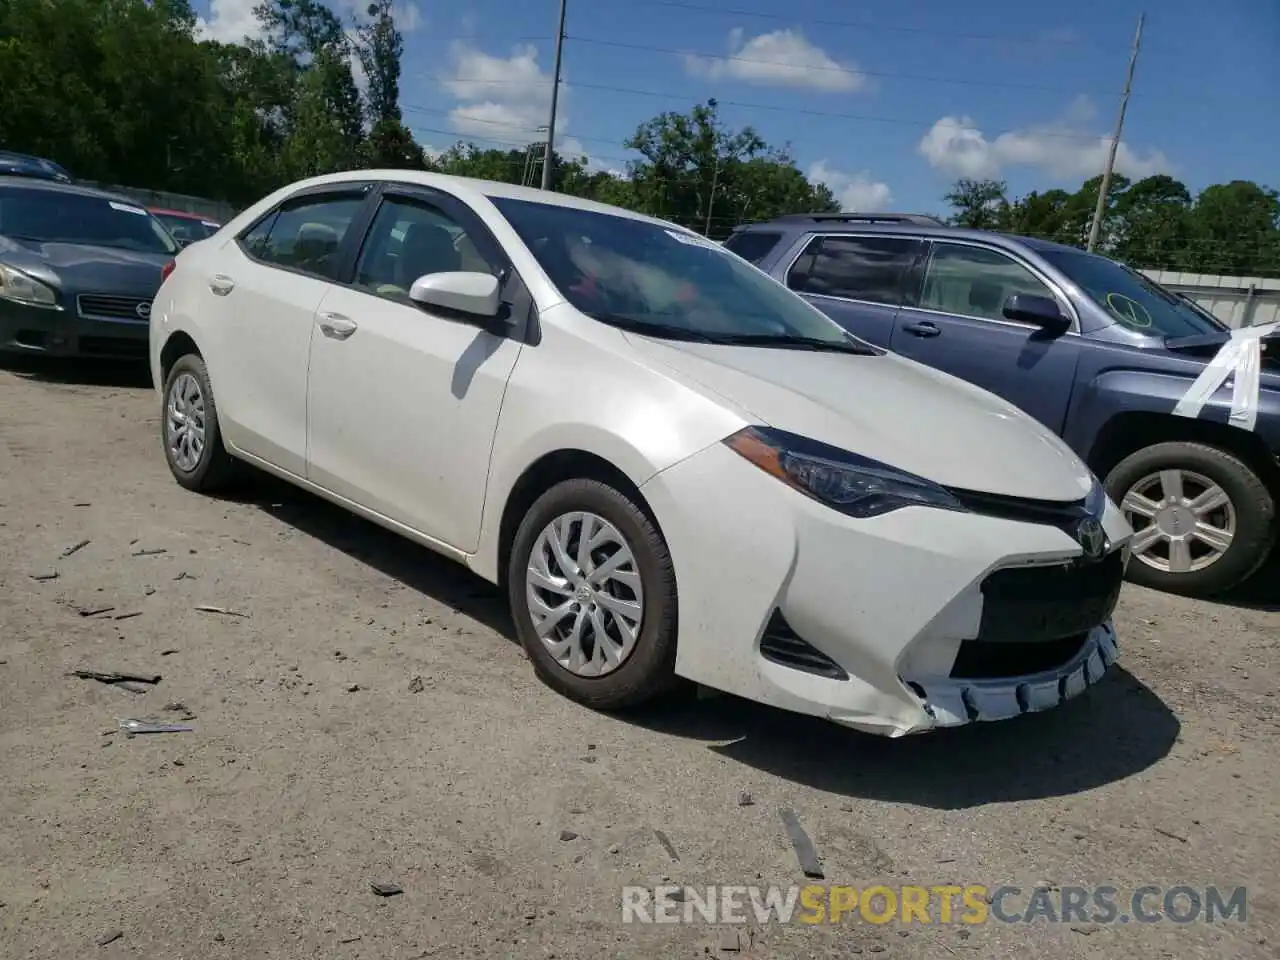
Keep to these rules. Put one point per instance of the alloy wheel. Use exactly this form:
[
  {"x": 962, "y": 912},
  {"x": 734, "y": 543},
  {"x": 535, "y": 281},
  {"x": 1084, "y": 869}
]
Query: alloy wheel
[
  {"x": 1183, "y": 522},
  {"x": 184, "y": 423},
  {"x": 585, "y": 593}
]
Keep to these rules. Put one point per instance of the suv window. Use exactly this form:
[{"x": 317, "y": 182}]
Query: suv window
[
  {"x": 752, "y": 246},
  {"x": 858, "y": 268},
  {"x": 409, "y": 239},
  {"x": 305, "y": 235},
  {"x": 975, "y": 281}
]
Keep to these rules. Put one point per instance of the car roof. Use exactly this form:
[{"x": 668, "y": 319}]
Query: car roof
[
  {"x": 57, "y": 186},
  {"x": 474, "y": 188},
  {"x": 890, "y": 224}
]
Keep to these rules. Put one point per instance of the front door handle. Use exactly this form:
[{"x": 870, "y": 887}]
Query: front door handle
[
  {"x": 922, "y": 329},
  {"x": 335, "y": 326},
  {"x": 222, "y": 285}
]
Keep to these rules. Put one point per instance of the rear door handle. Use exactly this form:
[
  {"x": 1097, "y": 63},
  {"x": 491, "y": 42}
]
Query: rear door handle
[
  {"x": 222, "y": 285},
  {"x": 335, "y": 326},
  {"x": 922, "y": 329}
]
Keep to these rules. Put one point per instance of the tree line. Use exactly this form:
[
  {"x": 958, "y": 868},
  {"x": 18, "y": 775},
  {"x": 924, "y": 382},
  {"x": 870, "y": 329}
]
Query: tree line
[{"x": 127, "y": 92}]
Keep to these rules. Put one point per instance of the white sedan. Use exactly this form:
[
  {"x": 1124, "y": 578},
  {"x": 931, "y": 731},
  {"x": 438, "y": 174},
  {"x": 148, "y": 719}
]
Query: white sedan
[{"x": 675, "y": 467}]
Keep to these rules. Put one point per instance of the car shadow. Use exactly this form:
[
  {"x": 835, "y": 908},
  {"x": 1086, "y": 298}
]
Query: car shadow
[
  {"x": 1261, "y": 591},
  {"x": 81, "y": 372},
  {"x": 1113, "y": 731},
  {"x": 408, "y": 563}
]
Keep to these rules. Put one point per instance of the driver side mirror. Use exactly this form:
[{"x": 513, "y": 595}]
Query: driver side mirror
[
  {"x": 474, "y": 294},
  {"x": 1044, "y": 312}
]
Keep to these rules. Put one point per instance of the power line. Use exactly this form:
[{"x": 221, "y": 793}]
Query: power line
[
  {"x": 849, "y": 71},
  {"x": 860, "y": 24}
]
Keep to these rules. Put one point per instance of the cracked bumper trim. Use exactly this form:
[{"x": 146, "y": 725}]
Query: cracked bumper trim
[{"x": 953, "y": 703}]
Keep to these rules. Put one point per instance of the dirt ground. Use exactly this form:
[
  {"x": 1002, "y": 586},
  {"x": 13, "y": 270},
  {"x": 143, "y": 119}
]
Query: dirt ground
[{"x": 369, "y": 718}]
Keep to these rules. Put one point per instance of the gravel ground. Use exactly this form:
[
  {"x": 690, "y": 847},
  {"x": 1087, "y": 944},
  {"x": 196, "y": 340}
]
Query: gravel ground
[{"x": 369, "y": 718}]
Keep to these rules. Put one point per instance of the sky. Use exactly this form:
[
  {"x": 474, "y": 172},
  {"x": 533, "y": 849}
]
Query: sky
[{"x": 885, "y": 103}]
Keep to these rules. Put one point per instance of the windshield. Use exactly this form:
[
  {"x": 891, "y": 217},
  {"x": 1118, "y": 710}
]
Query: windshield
[
  {"x": 55, "y": 216},
  {"x": 187, "y": 229},
  {"x": 662, "y": 282},
  {"x": 1131, "y": 299}
]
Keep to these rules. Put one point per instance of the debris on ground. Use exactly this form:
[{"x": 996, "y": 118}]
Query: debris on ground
[
  {"x": 45, "y": 575},
  {"x": 416, "y": 685},
  {"x": 729, "y": 942},
  {"x": 567, "y": 835},
  {"x": 805, "y": 852},
  {"x": 76, "y": 546},
  {"x": 127, "y": 616},
  {"x": 132, "y": 727},
  {"x": 667, "y": 845},
  {"x": 110, "y": 937},
  {"x": 150, "y": 552},
  {"x": 224, "y": 611},
  {"x": 353, "y": 688},
  {"x": 1169, "y": 834},
  {"x": 386, "y": 889},
  {"x": 129, "y": 681},
  {"x": 93, "y": 611},
  {"x": 744, "y": 800}
]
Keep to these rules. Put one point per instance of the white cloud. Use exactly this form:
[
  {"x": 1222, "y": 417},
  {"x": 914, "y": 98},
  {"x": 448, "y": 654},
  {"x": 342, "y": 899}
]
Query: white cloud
[
  {"x": 1065, "y": 149},
  {"x": 230, "y": 21},
  {"x": 783, "y": 58},
  {"x": 853, "y": 191},
  {"x": 504, "y": 99},
  {"x": 408, "y": 16}
]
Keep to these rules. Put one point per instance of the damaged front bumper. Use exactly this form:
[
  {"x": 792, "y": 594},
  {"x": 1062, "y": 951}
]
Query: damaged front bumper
[{"x": 952, "y": 702}]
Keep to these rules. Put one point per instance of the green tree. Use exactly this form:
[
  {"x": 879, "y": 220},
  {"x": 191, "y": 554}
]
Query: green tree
[
  {"x": 977, "y": 204},
  {"x": 380, "y": 47}
]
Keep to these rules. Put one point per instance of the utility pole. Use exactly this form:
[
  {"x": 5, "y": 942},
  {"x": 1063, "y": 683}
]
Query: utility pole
[
  {"x": 549, "y": 160},
  {"x": 715, "y": 175},
  {"x": 1105, "y": 187}
]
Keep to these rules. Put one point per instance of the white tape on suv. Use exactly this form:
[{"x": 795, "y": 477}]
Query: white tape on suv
[{"x": 1240, "y": 357}]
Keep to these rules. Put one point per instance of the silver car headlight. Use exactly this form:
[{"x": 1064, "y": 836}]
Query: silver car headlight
[
  {"x": 21, "y": 288},
  {"x": 856, "y": 486}
]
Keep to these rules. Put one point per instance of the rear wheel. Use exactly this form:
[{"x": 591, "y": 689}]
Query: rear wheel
[
  {"x": 593, "y": 595},
  {"x": 189, "y": 427},
  {"x": 1203, "y": 520}
]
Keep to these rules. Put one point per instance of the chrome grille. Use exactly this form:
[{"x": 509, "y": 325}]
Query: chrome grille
[{"x": 108, "y": 306}]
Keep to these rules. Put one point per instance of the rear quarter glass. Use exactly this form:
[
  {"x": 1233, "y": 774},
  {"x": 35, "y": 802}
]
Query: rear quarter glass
[{"x": 753, "y": 245}]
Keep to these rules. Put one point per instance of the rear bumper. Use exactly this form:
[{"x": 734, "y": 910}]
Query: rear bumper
[{"x": 37, "y": 331}]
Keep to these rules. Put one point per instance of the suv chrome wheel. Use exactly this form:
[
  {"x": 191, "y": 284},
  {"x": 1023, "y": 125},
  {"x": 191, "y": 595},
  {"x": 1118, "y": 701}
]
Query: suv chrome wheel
[{"x": 1183, "y": 521}]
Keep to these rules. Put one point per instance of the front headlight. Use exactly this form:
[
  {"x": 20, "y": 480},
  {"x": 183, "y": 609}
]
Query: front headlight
[
  {"x": 844, "y": 481},
  {"x": 17, "y": 286}
]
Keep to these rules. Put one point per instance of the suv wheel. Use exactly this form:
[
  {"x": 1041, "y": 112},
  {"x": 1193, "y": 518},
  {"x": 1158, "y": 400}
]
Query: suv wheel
[{"x": 1203, "y": 520}]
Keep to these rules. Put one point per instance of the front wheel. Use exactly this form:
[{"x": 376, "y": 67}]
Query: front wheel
[
  {"x": 593, "y": 595},
  {"x": 1203, "y": 520}
]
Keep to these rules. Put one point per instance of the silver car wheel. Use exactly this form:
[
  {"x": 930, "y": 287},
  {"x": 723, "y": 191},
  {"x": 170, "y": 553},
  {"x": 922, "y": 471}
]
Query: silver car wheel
[
  {"x": 585, "y": 594},
  {"x": 184, "y": 422},
  {"x": 1183, "y": 522}
]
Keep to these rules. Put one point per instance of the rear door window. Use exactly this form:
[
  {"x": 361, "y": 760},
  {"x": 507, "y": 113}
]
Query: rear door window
[
  {"x": 306, "y": 235},
  {"x": 855, "y": 268},
  {"x": 751, "y": 245}
]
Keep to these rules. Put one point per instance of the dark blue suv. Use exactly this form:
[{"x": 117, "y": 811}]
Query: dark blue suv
[{"x": 1120, "y": 367}]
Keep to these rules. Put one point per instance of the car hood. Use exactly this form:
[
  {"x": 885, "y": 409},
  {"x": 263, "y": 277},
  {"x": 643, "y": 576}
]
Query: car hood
[
  {"x": 890, "y": 409},
  {"x": 83, "y": 268}
]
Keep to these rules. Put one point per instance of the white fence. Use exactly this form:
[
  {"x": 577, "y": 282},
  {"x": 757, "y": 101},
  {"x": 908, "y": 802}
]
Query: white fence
[{"x": 1236, "y": 301}]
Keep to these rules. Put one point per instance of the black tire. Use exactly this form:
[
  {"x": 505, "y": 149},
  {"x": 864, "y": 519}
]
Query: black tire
[
  {"x": 1254, "y": 506},
  {"x": 650, "y": 669},
  {"x": 216, "y": 468}
]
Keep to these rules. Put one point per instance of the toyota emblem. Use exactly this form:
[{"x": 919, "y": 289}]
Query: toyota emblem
[
  {"x": 143, "y": 310},
  {"x": 1093, "y": 540}
]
